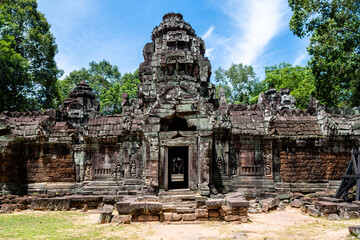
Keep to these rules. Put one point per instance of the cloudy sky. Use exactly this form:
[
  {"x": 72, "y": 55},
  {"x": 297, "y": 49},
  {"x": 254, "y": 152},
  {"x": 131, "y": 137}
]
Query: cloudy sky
[{"x": 254, "y": 32}]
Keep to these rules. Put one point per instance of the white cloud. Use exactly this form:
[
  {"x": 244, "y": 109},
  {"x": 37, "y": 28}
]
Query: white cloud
[
  {"x": 208, "y": 32},
  {"x": 299, "y": 60},
  {"x": 208, "y": 52},
  {"x": 254, "y": 24}
]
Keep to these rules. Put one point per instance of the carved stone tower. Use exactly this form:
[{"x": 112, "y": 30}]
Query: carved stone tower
[{"x": 177, "y": 98}]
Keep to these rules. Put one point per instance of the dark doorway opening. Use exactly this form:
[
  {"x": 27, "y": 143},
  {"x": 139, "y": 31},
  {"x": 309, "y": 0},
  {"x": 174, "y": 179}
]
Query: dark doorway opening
[
  {"x": 178, "y": 167},
  {"x": 175, "y": 124}
]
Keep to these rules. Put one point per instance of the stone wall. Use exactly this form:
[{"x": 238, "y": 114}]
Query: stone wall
[{"x": 314, "y": 163}]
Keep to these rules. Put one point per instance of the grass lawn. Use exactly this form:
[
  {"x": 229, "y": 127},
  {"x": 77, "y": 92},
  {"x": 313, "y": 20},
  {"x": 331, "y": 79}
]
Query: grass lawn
[{"x": 64, "y": 225}]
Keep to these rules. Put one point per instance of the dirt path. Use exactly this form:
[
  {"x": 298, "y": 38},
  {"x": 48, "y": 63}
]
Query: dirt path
[{"x": 287, "y": 224}]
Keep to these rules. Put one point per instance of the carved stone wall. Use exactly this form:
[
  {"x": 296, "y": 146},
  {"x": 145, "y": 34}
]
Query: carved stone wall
[{"x": 267, "y": 146}]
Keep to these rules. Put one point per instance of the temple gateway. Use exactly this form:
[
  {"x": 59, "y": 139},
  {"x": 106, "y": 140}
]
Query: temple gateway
[{"x": 177, "y": 134}]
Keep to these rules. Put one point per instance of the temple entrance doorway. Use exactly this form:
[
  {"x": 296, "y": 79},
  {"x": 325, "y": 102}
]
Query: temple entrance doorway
[{"x": 178, "y": 167}]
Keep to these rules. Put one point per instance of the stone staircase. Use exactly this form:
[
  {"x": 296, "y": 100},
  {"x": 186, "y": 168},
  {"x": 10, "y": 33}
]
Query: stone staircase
[{"x": 181, "y": 200}]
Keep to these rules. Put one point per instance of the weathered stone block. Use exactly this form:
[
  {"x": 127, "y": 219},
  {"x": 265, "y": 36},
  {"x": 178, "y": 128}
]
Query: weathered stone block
[
  {"x": 326, "y": 207},
  {"x": 201, "y": 213},
  {"x": 168, "y": 208},
  {"x": 138, "y": 208},
  {"x": 313, "y": 211},
  {"x": 231, "y": 218},
  {"x": 271, "y": 203},
  {"x": 124, "y": 219},
  {"x": 354, "y": 230},
  {"x": 123, "y": 207},
  {"x": 296, "y": 203},
  {"x": 214, "y": 213},
  {"x": 183, "y": 210},
  {"x": 334, "y": 216},
  {"x": 237, "y": 202},
  {"x": 343, "y": 206},
  {"x": 189, "y": 217},
  {"x": 50, "y": 204},
  {"x": 176, "y": 217},
  {"x": 166, "y": 216},
  {"x": 153, "y": 208},
  {"x": 331, "y": 199},
  {"x": 214, "y": 203},
  {"x": 346, "y": 215}
]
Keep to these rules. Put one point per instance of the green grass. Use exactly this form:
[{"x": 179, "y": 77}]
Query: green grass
[{"x": 63, "y": 225}]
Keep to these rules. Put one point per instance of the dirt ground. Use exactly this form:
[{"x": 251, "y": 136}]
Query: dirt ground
[{"x": 286, "y": 224}]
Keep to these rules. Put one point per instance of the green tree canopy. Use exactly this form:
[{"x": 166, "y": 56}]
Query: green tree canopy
[
  {"x": 298, "y": 79},
  {"x": 100, "y": 77},
  {"x": 28, "y": 71},
  {"x": 112, "y": 98},
  {"x": 240, "y": 83},
  {"x": 107, "y": 83},
  {"x": 334, "y": 30}
]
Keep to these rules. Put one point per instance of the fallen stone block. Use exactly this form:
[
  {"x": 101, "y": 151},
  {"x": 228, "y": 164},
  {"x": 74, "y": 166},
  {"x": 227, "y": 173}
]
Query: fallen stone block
[
  {"x": 326, "y": 207},
  {"x": 214, "y": 203},
  {"x": 313, "y": 211},
  {"x": 346, "y": 215},
  {"x": 123, "y": 207},
  {"x": 105, "y": 216},
  {"x": 231, "y": 218},
  {"x": 124, "y": 219},
  {"x": 237, "y": 202},
  {"x": 343, "y": 206},
  {"x": 265, "y": 207},
  {"x": 79, "y": 201},
  {"x": 354, "y": 230},
  {"x": 50, "y": 204},
  {"x": 296, "y": 203},
  {"x": 334, "y": 216},
  {"x": 145, "y": 218},
  {"x": 271, "y": 202}
]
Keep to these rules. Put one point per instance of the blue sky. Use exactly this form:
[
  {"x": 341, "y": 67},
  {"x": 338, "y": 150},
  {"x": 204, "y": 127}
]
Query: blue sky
[{"x": 252, "y": 32}]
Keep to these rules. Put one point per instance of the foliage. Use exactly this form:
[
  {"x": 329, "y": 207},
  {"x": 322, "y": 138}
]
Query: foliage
[
  {"x": 100, "y": 76},
  {"x": 107, "y": 83},
  {"x": 112, "y": 98},
  {"x": 298, "y": 79},
  {"x": 334, "y": 30},
  {"x": 240, "y": 83},
  {"x": 27, "y": 50}
]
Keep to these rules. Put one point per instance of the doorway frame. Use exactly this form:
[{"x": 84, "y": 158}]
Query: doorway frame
[{"x": 186, "y": 168}]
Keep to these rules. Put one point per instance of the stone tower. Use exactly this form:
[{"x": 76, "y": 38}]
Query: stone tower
[
  {"x": 80, "y": 105},
  {"x": 175, "y": 68},
  {"x": 177, "y": 98}
]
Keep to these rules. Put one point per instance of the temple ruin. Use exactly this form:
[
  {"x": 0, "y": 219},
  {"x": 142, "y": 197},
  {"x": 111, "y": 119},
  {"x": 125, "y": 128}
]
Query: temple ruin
[{"x": 177, "y": 134}]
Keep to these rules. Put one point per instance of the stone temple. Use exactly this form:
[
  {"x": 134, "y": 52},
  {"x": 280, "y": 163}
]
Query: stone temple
[{"x": 177, "y": 134}]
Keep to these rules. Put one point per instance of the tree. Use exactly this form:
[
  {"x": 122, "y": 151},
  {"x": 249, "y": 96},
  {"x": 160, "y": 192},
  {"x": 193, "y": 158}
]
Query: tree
[
  {"x": 100, "y": 77},
  {"x": 298, "y": 79},
  {"x": 27, "y": 50},
  {"x": 240, "y": 83},
  {"x": 111, "y": 99},
  {"x": 334, "y": 30},
  {"x": 107, "y": 83}
]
